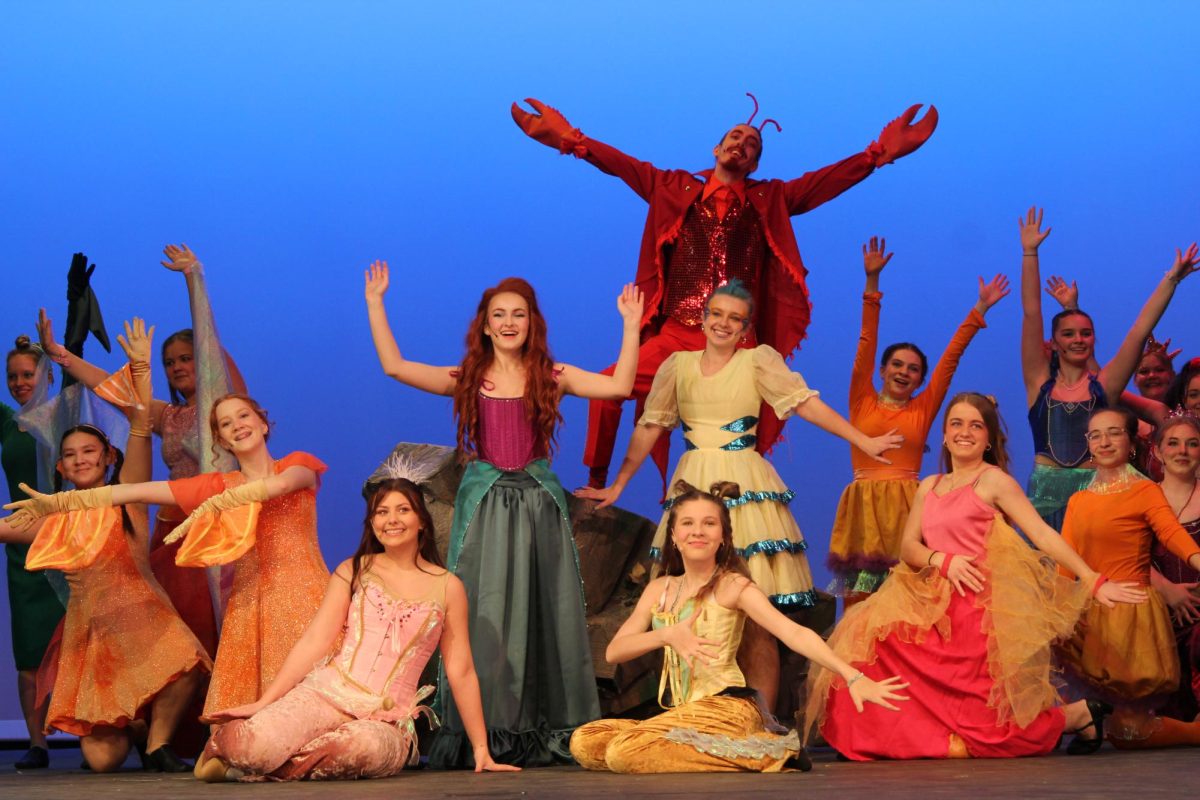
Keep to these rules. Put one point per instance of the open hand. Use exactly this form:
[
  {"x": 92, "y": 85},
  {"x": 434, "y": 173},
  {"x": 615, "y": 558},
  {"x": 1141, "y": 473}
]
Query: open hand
[
  {"x": 377, "y": 280},
  {"x": 180, "y": 258},
  {"x": 230, "y": 714},
  {"x": 1030, "y": 226},
  {"x": 27, "y": 512},
  {"x": 964, "y": 575},
  {"x": 605, "y": 497},
  {"x": 692, "y": 648},
  {"x": 876, "y": 446},
  {"x": 45, "y": 328},
  {"x": 1065, "y": 294},
  {"x": 865, "y": 690},
  {"x": 137, "y": 341},
  {"x": 874, "y": 259},
  {"x": 1185, "y": 264},
  {"x": 484, "y": 762},
  {"x": 1111, "y": 593},
  {"x": 993, "y": 291},
  {"x": 630, "y": 305}
]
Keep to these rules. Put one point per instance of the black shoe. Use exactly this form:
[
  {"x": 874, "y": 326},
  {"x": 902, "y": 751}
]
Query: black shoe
[
  {"x": 1082, "y": 747},
  {"x": 800, "y": 761},
  {"x": 164, "y": 760},
  {"x": 34, "y": 758}
]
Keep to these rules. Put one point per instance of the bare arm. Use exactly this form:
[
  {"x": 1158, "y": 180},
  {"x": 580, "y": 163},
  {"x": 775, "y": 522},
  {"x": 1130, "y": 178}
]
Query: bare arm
[
  {"x": 10, "y": 534},
  {"x": 436, "y": 380},
  {"x": 1035, "y": 366},
  {"x": 86, "y": 373},
  {"x": 815, "y": 410},
  {"x": 618, "y": 385},
  {"x": 640, "y": 445}
]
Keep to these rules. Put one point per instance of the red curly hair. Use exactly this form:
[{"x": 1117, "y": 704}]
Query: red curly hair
[{"x": 541, "y": 384}]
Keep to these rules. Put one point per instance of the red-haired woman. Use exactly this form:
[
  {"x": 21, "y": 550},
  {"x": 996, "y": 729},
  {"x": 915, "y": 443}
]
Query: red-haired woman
[{"x": 511, "y": 543}]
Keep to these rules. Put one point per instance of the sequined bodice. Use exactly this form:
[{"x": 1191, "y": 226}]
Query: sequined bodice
[
  {"x": 956, "y": 522},
  {"x": 386, "y": 643},
  {"x": 720, "y": 624},
  {"x": 180, "y": 441},
  {"x": 708, "y": 252},
  {"x": 1059, "y": 426},
  {"x": 1172, "y": 567},
  {"x": 718, "y": 412},
  {"x": 506, "y": 438}
]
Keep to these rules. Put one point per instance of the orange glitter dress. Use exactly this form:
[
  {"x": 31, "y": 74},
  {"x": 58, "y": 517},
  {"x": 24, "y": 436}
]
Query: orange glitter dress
[
  {"x": 865, "y": 542},
  {"x": 122, "y": 640},
  {"x": 278, "y": 584},
  {"x": 1126, "y": 653}
]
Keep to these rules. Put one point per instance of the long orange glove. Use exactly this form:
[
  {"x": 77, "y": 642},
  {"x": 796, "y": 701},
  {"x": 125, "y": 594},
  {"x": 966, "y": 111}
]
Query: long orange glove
[
  {"x": 548, "y": 126},
  {"x": 900, "y": 137}
]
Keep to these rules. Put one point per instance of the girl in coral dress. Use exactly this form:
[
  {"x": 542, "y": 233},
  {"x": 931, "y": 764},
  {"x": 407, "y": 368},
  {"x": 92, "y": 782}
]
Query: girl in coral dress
[
  {"x": 124, "y": 649},
  {"x": 352, "y": 716},
  {"x": 968, "y": 618}
]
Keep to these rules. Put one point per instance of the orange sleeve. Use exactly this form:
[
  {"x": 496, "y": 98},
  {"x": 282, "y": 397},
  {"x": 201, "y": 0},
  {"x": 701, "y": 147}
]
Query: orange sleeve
[
  {"x": 1166, "y": 525},
  {"x": 943, "y": 371},
  {"x": 861, "y": 386},
  {"x": 1068, "y": 532},
  {"x": 189, "y": 493},
  {"x": 301, "y": 459}
]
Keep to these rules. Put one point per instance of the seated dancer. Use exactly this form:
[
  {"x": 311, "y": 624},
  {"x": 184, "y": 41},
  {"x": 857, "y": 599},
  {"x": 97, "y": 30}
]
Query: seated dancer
[
  {"x": 1127, "y": 655},
  {"x": 1177, "y": 446},
  {"x": 262, "y": 519},
  {"x": 198, "y": 371},
  {"x": 392, "y": 603},
  {"x": 1060, "y": 387},
  {"x": 125, "y": 653},
  {"x": 968, "y": 618},
  {"x": 865, "y": 542},
  {"x": 696, "y": 613},
  {"x": 717, "y": 393},
  {"x": 511, "y": 543},
  {"x": 706, "y": 227}
]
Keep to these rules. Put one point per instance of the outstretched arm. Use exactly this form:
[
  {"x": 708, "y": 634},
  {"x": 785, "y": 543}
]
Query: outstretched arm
[
  {"x": 640, "y": 445},
  {"x": 617, "y": 386},
  {"x": 1035, "y": 364},
  {"x": 1117, "y": 372},
  {"x": 815, "y": 410},
  {"x": 83, "y": 371},
  {"x": 437, "y": 380}
]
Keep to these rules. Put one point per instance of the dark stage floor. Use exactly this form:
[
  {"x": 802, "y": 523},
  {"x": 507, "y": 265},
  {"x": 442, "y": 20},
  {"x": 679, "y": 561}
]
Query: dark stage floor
[{"x": 1166, "y": 773}]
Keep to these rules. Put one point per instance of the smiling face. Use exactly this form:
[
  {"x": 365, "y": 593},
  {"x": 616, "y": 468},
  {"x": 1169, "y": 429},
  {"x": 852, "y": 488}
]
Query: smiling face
[
  {"x": 84, "y": 460},
  {"x": 1191, "y": 395},
  {"x": 1178, "y": 449},
  {"x": 239, "y": 427},
  {"x": 698, "y": 532},
  {"x": 22, "y": 374},
  {"x": 395, "y": 522},
  {"x": 725, "y": 321},
  {"x": 180, "y": 367},
  {"x": 739, "y": 150},
  {"x": 965, "y": 434},
  {"x": 1108, "y": 439},
  {"x": 1075, "y": 339},
  {"x": 507, "y": 323},
  {"x": 1153, "y": 376},
  {"x": 901, "y": 374}
]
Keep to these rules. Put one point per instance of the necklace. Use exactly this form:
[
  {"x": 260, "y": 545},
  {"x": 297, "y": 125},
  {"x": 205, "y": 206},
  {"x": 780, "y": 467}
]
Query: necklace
[
  {"x": 683, "y": 579},
  {"x": 964, "y": 481},
  {"x": 1127, "y": 477},
  {"x": 1186, "y": 503},
  {"x": 888, "y": 402},
  {"x": 1062, "y": 384}
]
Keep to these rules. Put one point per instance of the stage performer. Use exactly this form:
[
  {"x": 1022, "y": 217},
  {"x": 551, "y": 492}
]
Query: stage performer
[
  {"x": 511, "y": 544},
  {"x": 352, "y": 716},
  {"x": 125, "y": 653},
  {"x": 968, "y": 618},
  {"x": 696, "y": 613},
  {"x": 263, "y": 520},
  {"x": 198, "y": 371},
  {"x": 865, "y": 542},
  {"x": 717, "y": 393},
  {"x": 1127, "y": 654},
  {"x": 34, "y": 607},
  {"x": 1060, "y": 387},
  {"x": 1177, "y": 445},
  {"x": 706, "y": 227}
]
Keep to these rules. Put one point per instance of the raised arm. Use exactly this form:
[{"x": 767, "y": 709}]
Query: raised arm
[
  {"x": 86, "y": 373},
  {"x": 862, "y": 376},
  {"x": 1117, "y": 372},
  {"x": 990, "y": 293},
  {"x": 312, "y": 646},
  {"x": 1035, "y": 363},
  {"x": 617, "y": 386},
  {"x": 138, "y": 344},
  {"x": 436, "y": 380}
]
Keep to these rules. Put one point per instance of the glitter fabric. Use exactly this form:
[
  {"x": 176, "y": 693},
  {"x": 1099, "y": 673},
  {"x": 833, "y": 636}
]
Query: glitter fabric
[
  {"x": 316, "y": 730},
  {"x": 277, "y": 586},
  {"x": 180, "y": 440},
  {"x": 122, "y": 641},
  {"x": 507, "y": 440},
  {"x": 709, "y": 251},
  {"x": 747, "y": 497},
  {"x": 1050, "y": 488}
]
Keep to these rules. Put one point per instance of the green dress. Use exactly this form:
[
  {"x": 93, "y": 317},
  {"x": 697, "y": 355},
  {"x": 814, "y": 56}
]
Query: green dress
[{"x": 33, "y": 605}]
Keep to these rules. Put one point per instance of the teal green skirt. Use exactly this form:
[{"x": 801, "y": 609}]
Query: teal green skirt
[{"x": 1050, "y": 488}]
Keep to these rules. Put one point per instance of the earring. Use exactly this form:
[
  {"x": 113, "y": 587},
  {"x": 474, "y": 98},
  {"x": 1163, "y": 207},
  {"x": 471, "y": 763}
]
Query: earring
[
  {"x": 986, "y": 449},
  {"x": 1133, "y": 452}
]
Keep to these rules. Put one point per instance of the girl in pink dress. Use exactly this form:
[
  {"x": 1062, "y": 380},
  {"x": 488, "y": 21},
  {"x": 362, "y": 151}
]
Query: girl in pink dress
[
  {"x": 391, "y": 605},
  {"x": 968, "y": 618}
]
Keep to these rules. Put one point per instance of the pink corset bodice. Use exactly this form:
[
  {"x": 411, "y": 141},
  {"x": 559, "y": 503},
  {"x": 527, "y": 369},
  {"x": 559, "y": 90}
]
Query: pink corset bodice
[
  {"x": 506, "y": 439},
  {"x": 956, "y": 522},
  {"x": 386, "y": 644},
  {"x": 180, "y": 441}
]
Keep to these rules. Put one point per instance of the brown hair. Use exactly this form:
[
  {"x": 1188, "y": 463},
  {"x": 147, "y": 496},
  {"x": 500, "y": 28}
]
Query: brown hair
[
  {"x": 369, "y": 545},
  {"x": 1187, "y": 420},
  {"x": 541, "y": 385},
  {"x": 184, "y": 335},
  {"x": 23, "y": 346},
  {"x": 728, "y": 558},
  {"x": 997, "y": 452},
  {"x": 212, "y": 418}
]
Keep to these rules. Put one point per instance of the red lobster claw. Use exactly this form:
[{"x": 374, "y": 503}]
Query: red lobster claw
[
  {"x": 901, "y": 137},
  {"x": 548, "y": 126}
]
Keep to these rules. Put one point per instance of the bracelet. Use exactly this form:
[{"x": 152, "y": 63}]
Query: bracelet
[
  {"x": 1033, "y": 252},
  {"x": 851, "y": 681},
  {"x": 1103, "y": 579},
  {"x": 929, "y": 561},
  {"x": 945, "y": 568},
  {"x": 142, "y": 432}
]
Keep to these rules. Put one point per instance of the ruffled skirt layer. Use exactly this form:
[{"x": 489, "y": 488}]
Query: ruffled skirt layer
[{"x": 865, "y": 542}]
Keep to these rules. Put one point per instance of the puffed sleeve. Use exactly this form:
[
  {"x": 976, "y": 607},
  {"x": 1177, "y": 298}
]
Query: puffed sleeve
[
  {"x": 662, "y": 405},
  {"x": 780, "y": 388}
]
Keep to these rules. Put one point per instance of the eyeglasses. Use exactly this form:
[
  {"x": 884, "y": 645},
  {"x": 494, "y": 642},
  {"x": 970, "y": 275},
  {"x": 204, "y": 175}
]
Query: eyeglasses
[{"x": 1110, "y": 434}]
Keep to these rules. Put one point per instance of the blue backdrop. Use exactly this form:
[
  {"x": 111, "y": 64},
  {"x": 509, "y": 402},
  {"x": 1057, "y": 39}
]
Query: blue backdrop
[{"x": 290, "y": 143}]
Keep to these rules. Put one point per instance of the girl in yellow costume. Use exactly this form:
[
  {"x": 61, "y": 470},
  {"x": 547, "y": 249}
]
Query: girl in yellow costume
[{"x": 696, "y": 611}]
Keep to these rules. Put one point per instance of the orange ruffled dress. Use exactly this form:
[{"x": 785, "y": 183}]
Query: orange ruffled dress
[
  {"x": 1126, "y": 653},
  {"x": 278, "y": 581},
  {"x": 865, "y": 542},
  {"x": 122, "y": 641}
]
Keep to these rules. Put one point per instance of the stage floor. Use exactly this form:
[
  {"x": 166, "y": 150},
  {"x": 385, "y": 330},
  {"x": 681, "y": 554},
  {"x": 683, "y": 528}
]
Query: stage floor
[{"x": 1164, "y": 773}]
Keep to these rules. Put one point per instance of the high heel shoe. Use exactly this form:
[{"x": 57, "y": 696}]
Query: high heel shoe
[{"x": 1082, "y": 747}]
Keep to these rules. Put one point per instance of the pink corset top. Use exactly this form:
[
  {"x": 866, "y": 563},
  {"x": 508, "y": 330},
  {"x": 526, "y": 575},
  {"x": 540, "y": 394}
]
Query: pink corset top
[
  {"x": 956, "y": 522},
  {"x": 386, "y": 643},
  {"x": 506, "y": 439}
]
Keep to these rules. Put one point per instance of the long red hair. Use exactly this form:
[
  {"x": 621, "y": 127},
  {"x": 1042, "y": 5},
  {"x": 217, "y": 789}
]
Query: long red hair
[{"x": 541, "y": 385}]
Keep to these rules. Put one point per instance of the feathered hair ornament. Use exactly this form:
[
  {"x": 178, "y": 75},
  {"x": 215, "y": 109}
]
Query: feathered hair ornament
[{"x": 416, "y": 462}]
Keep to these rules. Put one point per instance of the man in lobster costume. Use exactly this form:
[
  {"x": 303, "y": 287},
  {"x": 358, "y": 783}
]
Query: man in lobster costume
[{"x": 706, "y": 227}]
